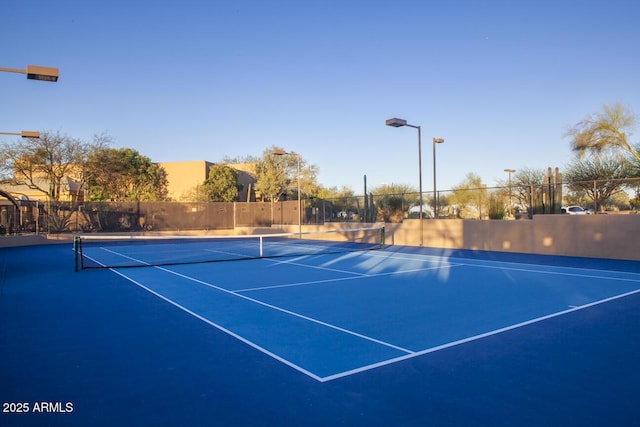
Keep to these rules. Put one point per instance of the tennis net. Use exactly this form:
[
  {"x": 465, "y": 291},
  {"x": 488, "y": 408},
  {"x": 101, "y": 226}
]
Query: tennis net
[{"x": 117, "y": 251}]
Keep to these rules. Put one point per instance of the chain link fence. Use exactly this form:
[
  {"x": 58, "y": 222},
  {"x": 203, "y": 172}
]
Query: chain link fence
[
  {"x": 511, "y": 202},
  {"x": 59, "y": 217},
  {"x": 506, "y": 202}
]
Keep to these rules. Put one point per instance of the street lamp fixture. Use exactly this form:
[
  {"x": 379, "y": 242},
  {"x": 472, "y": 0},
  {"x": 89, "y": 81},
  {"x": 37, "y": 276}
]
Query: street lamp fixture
[
  {"x": 36, "y": 72},
  {"x": 279, "y": 152},
  {"x": 23, "y": 134},
  {"x": 435, "y": 194},
  {"x": 396, "y": 123}
]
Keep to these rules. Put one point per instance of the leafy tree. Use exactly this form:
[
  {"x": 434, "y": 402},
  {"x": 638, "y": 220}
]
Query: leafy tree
[
  {"x": 335, "y": 200},
  {"x": 335, "y": 192},
  {"x": 239, "y": 159},
  {"x": 271, "y": 178},
  {"x": 277, "y": 174},
  {"x": 470, "y": 196},
  {"x": 394, "y": 199},
  {"x": 125, "y": 175},
  {"x": 46, "y": 163},
  {"x": 396, "y": 189},
  {"x": 444, "y": 205},
  {"x": 598, "y": 177},
  {"x": 523, "y": 182},
  {"x": 635, "y": 201},
  {"x": 308, "y": 180},
  {"x": 527, "y": 176},
  {"x": 603, "y": 131},
  {"x": 222, "y": 184},
  {"x": 198, "y": 193},
  {"x": 498, "y": 203}
]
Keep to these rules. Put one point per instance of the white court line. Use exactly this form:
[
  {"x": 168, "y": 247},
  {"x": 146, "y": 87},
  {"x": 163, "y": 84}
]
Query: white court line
[
  {"x": 123, "y": 256},
  {"x": 475, "y": 337},
  {"x": 491, "y": 264},
  {"x": 115, "y": 253},
  {"x": 223, "y": 329},
  {"x": 315, "y": 267},
  {"x": 289, "y": 312},
  {"x": 410, "y": 354},
  {"x": 542, "y": 269},
  {"x": 558, "y": 273},
  {"x": 340, "y": 279},
  {"x": 273, "y": 307},
  {"x": 420, "y": 257}
]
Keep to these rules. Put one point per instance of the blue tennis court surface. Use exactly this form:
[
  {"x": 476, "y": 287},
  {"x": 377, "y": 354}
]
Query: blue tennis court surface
[
  {"x": 402, "y": 336},
  {"x": 332, "y": 315}
]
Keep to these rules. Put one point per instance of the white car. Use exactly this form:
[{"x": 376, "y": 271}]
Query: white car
[{"x": 574, "y": 210}]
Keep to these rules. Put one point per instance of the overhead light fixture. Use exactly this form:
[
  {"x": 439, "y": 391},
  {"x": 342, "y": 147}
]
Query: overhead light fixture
[{"x": 36, "y": 72}]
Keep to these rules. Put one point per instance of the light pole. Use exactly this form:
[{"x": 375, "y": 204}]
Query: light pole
[
  {"x": 35, "y": 72},
  {"x": 396, "y": 123},
  {"x": 435, "y": 195},
  {"x": 510, "y": 171},
  {"x": 279, "y": 152}
]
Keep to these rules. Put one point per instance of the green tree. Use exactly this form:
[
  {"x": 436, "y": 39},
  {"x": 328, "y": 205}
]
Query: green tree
[
  {"x": 239, "y": 159},
  {"x": 198, "y": 193},
  {"x": 277, "y": 174},
  {"x": 47, "y": 163},
  {"x": 335, "y": 200},
  {"x": 309, "y": 186},
  {"x": 603, "y": 131},
  {"x": 222, "y": 184},
  {"x": 271, "y": 178},
  {"x": 393, "y": 200},
  {"x": 125, "y": 175},
  {"x": 498, "y": 204},
  {"x": 470, "y": 197},
  {"x": 335, "y": 192},
  {"x": 599, "y": 177},
  {"x": 525, "y": 184}
]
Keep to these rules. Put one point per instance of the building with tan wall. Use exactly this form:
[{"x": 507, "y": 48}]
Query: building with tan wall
[
  {"x": 246, "y": 178},
  {"x": 183, "y": 177},
  {"x": 69, "y": 190}
]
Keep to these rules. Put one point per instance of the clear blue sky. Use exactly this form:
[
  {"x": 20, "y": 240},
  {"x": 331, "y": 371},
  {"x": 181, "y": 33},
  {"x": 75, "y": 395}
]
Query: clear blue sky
[{"x": 500, "y": 81}]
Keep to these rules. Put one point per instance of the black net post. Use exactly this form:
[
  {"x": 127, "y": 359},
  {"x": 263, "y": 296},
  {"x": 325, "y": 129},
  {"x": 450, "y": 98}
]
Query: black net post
[{"x": 76, "y": 244}]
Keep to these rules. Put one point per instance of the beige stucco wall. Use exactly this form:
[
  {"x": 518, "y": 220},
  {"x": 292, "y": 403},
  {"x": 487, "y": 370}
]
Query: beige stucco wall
[
  {"x": 246, "y": 178},
  {"x": 598, "y": 236},
  {"x": 595, "y": 236},
  {"x": 184, "y": 176}
]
